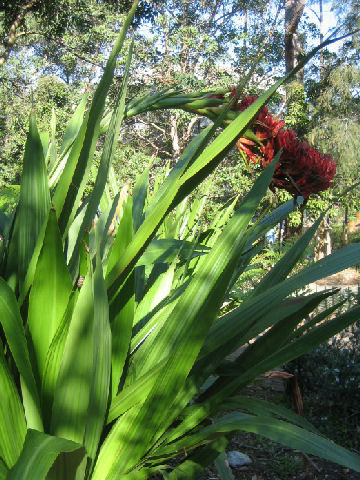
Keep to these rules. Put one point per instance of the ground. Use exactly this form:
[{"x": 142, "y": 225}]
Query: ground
[
  {"x": 272, "y": 461},
  {"x": 346, "y": 278}
]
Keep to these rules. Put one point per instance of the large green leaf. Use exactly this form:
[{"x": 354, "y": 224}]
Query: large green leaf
[
  {"x": 38, "y": 455},
  {"x": 53, "y": 361},
  {"x": 12, "y": 325},
  {"x": 277, "y": 430},
  {"x": 123, "y": 306},
  {"x": 104, "y": 224},
  {"x": 100, "y": 382},
  {"x": 166, "y": 250},
  {"x": 181, "y": 338},
  {"x": 52, "y": 287},
  {"x": 34, "y": 204},
  {"x": 229, "y": 332},
  {"x": 122, "y": 317},
  {"x": 149, "y": 318},
  {"x": 124, "y": 232},
  {"x": 50, "y": 158},
  {"x": 72, "y": 238},
  {"x": 71, "y": 399},
  {"x": 13, "y": 424},
  {"x": 153, "y": 297},
  {"x": 134, "y": 393},
  {"x": 139, "y": 197},
  {"x": 263, "y": 408},
  {"x": 66, "y": 171},
  {"x": 73, "y": 127},
  {"x": 3, "y": 470},
  {"x": 68, "y": 154}
]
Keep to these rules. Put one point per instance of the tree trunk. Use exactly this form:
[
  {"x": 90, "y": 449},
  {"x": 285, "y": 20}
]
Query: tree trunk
[
  {"x": 321, "y": 26},
  {"x": 293, "y": 47},
  {"x": 346, "y": 226},
  {"x": 174, "y": 135},
  {"x": 245, "y": 32},
  {"x": 323, "y": 241}
]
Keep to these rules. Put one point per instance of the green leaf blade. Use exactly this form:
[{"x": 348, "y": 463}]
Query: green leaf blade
[
  {"x": 71, "y": 399},
  {"x": 99, "y": 391},
  {"x": 38, "y": 455},
  {"x": 13, "y": 424},
  {"x": 52, "y": 287},
  {"x": 34, "y": 204},
  {"x": 11, "y": 322}
]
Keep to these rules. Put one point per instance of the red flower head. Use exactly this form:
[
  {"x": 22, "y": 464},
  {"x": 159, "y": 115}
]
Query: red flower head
[
  {"x": 265, "y": 127},
  {"x": 302, "y": 169}
]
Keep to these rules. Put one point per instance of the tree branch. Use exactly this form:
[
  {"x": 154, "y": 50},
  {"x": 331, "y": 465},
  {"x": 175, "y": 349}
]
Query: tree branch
[
  {"x": 9, "y": 44},
  {"x": 190, "y": 127},
  {"x": 162, "y": 130}
]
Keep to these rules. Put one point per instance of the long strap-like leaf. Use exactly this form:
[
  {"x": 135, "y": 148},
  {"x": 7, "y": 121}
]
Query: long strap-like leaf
[
  {"x": 12, "y": 324},
  {"x": 38, "y": 455},
  {"x": 277, "y": 430},
  {"x": 105, "y": 162},
  {"x": 52, "y": 287},
  {"x": 34, "y": 204},
  {"x": 69, "y": 193},
  {"x": 13, "y": 424}
]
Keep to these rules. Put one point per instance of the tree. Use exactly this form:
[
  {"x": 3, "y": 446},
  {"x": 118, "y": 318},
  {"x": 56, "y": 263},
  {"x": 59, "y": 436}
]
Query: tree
[
  {"x": 54, "y": 18},
  {"x": 293, "y": 44},
  {"x": 56, "y": 50}
]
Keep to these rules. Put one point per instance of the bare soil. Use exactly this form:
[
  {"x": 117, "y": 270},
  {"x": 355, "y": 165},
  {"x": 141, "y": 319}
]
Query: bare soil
[{"x": 348, "y": 277}]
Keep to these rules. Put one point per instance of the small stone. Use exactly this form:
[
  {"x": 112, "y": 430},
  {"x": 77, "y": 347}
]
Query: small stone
[{"x": 238, "y": 459}]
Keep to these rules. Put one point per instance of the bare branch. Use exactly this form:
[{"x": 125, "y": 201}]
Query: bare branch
[
  {"x": 190, "y": 127},
  {"x": 151, "y": 124}
]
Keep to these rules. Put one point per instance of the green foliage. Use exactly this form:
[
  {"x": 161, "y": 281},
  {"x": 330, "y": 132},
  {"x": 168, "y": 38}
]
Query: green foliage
[
  {"x": 296, "y": 114},
  {"x": 334, "y": 125},
  {"x": 329, "y": 378},
  {"x": 337, "y": 235},
  {"x": 115, "y": 321},
  {"x": 51, "y": 94},
  {"x": 284, "y": 465}
]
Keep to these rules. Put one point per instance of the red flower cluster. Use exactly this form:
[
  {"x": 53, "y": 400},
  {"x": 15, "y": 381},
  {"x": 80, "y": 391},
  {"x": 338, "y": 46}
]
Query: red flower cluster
[{"x": 301, "y": 170}]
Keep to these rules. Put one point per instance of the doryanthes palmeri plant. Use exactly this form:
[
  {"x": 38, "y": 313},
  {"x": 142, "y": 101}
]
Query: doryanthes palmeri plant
[{"x": 114, "y": 343}]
